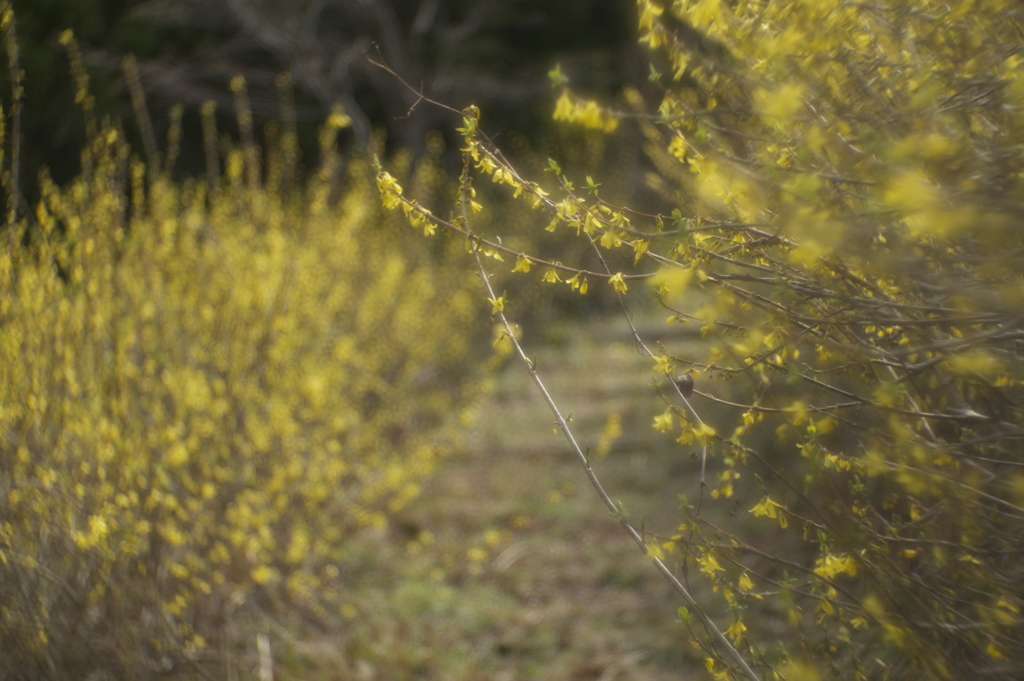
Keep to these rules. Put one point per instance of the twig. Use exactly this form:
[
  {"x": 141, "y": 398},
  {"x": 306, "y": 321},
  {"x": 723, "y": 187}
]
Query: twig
[{"x": 563, "y": 425}]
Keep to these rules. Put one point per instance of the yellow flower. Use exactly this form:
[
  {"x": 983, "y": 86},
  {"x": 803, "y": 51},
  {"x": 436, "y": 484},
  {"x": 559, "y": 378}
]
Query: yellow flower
[
  {"x": 523, "y": 264},
  {"x": 664, "y": 421},
  {"x": 617, "y": 282},
  {"x": 563, "y": 108},
  {"x": 551, "y": 276}
]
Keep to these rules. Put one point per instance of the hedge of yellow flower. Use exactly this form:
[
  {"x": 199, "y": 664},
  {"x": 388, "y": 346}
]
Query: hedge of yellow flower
[
  {"x": 208, "y": 387},
  {"x": 839, "y": 212}
]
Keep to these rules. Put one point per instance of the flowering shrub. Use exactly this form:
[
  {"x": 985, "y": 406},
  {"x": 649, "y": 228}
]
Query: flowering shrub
[
  {"x": 207, "y": 388},
  {"x": 841, "y": 195}
]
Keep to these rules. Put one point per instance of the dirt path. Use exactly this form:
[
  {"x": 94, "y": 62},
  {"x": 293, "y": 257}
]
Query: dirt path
[{"x": 575, "y": 598}]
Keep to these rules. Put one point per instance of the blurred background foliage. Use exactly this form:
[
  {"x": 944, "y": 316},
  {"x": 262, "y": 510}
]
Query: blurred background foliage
[{"x": 493, "y": 54}]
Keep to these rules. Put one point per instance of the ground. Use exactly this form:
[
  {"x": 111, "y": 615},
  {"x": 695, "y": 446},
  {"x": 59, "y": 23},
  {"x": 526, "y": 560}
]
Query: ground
[{"x": 509, "y": 567}]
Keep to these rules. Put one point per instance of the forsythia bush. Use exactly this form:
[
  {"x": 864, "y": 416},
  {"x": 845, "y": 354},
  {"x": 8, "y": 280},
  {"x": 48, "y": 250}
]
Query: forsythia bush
[
  {"x": 842, "y": 192},
  {"x": 205, "y": 392}
]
